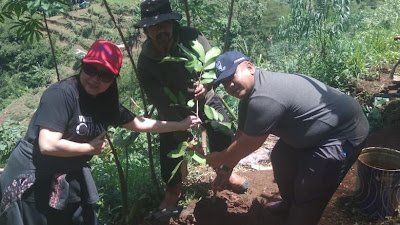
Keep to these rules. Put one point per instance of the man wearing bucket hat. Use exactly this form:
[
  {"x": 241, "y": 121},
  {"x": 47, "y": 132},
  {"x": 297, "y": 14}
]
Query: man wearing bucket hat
[
  {"x": 321, "y": 130},
  {"x": 163, "y": 32},
  {"x": 47, "y": 179}
]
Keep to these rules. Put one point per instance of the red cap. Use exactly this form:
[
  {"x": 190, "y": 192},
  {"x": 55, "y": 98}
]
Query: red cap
[{"x": 105, "y": 53}]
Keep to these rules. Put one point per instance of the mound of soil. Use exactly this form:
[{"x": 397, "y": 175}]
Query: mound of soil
[{"x": 239, "y": 209}]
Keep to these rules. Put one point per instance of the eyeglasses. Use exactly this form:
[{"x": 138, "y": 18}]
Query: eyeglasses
[{"x": 92, "y": 71}]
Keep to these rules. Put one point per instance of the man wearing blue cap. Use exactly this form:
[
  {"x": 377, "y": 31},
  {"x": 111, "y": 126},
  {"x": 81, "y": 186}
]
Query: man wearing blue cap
[
  {"x": 321, "y": 130},
  {"x": 163, "y": 36}
]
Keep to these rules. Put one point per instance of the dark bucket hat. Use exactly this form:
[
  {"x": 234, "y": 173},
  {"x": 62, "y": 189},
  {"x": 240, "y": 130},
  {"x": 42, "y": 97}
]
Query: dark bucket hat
[{"x": 155, "y": 11}]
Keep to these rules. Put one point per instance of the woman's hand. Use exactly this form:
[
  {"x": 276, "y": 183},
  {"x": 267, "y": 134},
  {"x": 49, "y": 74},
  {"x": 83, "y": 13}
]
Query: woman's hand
[
  {"x": 98, "y": 144},
  {"x": 190, "y": 121},
  {"x": 51, "y": 143}
]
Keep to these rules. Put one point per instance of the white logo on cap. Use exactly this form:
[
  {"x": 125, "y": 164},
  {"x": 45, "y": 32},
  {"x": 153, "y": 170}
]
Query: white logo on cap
[
  {"x": 239, "y": 59},
  {"x": 219, "y": 66}
]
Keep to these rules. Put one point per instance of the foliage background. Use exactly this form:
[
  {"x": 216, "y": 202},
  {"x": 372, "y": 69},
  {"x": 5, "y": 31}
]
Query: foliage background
[{"x": 339, "y": 48}]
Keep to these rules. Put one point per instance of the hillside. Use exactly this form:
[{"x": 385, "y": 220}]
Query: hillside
[{"x": 75, "y": 30}]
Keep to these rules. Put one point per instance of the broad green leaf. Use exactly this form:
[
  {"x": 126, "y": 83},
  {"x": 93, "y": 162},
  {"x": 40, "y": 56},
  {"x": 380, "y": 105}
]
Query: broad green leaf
[
  {"x": 45, "y": 7},
  {"x": 190, "y": 65},
  {"x": 171, "y": 95},
  {"x": 175, "y": 153},
  {"x": 199, "y": 158},
  {"x": 33, "y": 5},
  {"x": 211, "y": 113},
  {"x": 211, "y": 66},
  {"x": 174, "y": 171},
  {"x": 118, "y": 139},
  {"x": 190, "y": 103},
  {"x": 187, "y": 52},
  {"x": 8, "y": 15},
  {"x": 18, "y": 11},
  {"x": 199, "y": 50},
  {"x": 220, "y": 126},
  {"x": 180, "y": 151},
  {"x": 173, "y": 59},
  {"x": 131, "y": 138},
  {"x": 216, "y": 114},
  {"x": 207, "y": 81},
  {"x": 211, "y": 56},
  {"x": 220, "y": 116},
  {"x": 198, "y": 66},
  {"x": 209, "y": 74},
  {"x": 226, "y": 124},
  {"x": 208, "y": 111}
]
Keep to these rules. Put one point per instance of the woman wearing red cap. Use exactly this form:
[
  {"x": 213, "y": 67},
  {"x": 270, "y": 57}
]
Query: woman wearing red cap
[{"x": 47, "y": 179}]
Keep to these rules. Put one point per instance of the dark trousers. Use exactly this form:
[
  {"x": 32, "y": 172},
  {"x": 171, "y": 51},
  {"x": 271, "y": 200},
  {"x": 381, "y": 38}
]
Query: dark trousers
[
  {"x": 23, "y": 212},
  {"x": 218, "y": 140},
  {"x": 307, "y": 178}
]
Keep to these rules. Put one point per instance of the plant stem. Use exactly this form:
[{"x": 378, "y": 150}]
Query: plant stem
[
  {"x": 152, "y": 170},
  {"x": 228, "y": 108},
  {"x": 122, "y": 181}
]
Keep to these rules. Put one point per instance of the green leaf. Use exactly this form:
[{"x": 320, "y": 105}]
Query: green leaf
[
  {"x": 190, "y": 103},
  {"x": 198, "y": 66},
  {"x": 211, "y": 66},
  {"x": 174, "y": 171},
  {"x": 226, "y": 124},
  {"x": 209, "y": 74},
  {"x": 220, "y": 117},
  {"x": 199, "y": 50},
  {"x": 171, "y": 95},
  {"x": 180, "y": 151},
  {"x": 118, "y": 139},
  {"x": 131, "y": 138},
  {"x": 173, "y": 59},
  {"x": 187, "y": 52},
  {"x": 211, "y": 56},
  {"x": 199, "y": 158},
  {"x": 211, "y": 113},
  {"x": 190, "y": 65},
  {"x": 220, "y": 126},
  {"x": 207, "y": 81},
  {"x": 208, "y": 111}
]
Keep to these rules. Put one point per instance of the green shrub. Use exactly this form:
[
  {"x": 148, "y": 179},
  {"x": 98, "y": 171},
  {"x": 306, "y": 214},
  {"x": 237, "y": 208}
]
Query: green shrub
[{"x": 10, "y": 133}]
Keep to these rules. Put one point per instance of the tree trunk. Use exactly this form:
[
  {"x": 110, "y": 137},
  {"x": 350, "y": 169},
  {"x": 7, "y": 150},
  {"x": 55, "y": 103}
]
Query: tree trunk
[
  {"x": 185, "y": 2},
  {"x": 51, "y": 45},
  {"x": 227, "y": 35}
]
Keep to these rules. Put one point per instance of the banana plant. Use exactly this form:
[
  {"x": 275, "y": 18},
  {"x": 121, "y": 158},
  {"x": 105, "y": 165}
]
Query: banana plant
[{"x": 202, "y": 64}]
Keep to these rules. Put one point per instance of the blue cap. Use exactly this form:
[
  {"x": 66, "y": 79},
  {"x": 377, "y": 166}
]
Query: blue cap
[{"x": 226, "y": 64}]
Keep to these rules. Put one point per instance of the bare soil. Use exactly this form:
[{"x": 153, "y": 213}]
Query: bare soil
[{"x": 248, "y": 208}]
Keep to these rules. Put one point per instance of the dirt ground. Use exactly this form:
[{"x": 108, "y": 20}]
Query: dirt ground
[{"x": 247, "y": 209}]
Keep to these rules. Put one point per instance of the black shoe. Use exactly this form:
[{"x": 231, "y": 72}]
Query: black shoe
[{"x": 277, "y": 207}]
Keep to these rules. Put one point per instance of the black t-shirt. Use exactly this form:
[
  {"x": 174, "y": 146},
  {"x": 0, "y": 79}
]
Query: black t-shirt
[{"x": 65, "y": 107}]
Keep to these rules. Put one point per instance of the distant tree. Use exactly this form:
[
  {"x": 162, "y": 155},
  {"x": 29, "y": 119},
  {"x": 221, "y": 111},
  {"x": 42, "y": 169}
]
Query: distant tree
[{"x": 27, "y": 14}]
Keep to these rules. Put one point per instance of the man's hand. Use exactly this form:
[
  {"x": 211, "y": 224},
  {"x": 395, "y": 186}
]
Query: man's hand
[
  {"x": 200, "y": 90},
  {"x": 213, "y": 160},
  {"x": 221, "y": 182}
]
